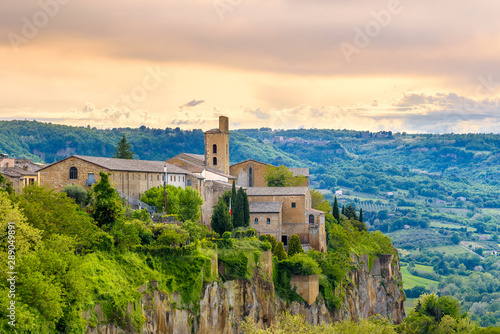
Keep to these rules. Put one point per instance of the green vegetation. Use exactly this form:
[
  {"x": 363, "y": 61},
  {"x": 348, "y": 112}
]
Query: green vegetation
[
  {"x": 123, "y": 150},
  {"x": 281, "y": 176}
]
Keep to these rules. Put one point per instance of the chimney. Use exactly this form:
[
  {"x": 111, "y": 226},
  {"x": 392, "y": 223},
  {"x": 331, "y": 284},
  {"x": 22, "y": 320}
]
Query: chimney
[{"x": 224, "y": 124}]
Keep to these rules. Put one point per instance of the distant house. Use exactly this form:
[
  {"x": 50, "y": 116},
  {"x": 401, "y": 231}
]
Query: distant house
[
  {"x": 19, "y": 172},
  {"x": 462, "y": 199},
  {"x": 484, "y": 237},
  {"x": 390, "y": 194},
  {"x": 407, "y": 227},
  {"x": 338, "y": 193},
  {"x": 440, "y": 201}
]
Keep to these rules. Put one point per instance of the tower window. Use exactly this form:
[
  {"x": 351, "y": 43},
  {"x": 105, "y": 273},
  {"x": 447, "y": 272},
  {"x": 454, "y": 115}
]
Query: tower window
[
  {"x": 311, "y": 219},
  {"x": 256, "y": 221},
  {"x": 215, "y": 161},
  {"x": 268, "y": 220},
  {"x": 214, "y": 149},
  {"x": 293, "y": 205},
  {"x": 73, "y": 173}
]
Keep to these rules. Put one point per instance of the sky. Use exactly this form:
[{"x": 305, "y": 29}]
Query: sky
[{"x": 422, "y": 66}]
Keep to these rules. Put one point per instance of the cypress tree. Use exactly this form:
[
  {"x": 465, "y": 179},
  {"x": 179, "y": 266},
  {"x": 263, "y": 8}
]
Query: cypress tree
[
  {"x": 279, "y": 251},
  {"x": 221, "y": 221},
  {"x": 123, "y": 150},
  {"x": 294, "y": 246},
  {"x": 246, "y": 209},
  {"x": 335, "y": 210},
  {"x": 233, "y": 200},
  {"x": 361, "y": 215},
  {"x": 343, "y": 210},
  {"x": 238, "y": 209}
]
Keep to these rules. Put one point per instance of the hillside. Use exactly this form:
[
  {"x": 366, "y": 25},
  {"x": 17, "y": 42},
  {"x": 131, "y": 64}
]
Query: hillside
[{"x": 436, "y": 196}]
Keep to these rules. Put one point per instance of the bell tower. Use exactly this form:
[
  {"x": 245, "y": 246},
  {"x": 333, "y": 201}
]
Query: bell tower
[{"x": 217, "y": 146}]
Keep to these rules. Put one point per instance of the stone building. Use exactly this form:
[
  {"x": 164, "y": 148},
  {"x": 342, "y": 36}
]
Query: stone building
[
  {"x": 19, "y": 172},
  {"x": 130, "y": 177},
  {"x": 296, "y": 215},
  {"x": 250, "y": 173}
]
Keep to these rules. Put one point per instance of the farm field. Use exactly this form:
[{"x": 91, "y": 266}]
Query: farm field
[
  {"x": 450, "y": 226},
  {"x": 409, "y": 281}
]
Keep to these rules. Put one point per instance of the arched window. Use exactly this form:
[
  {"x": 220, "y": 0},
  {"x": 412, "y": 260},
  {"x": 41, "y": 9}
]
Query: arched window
[
  {"x": 269, "y": 220},
  {"x": 214, "y": 149},
  {"x": 311, "y": 219},
  {"x": 215, "y": 161},
  {"x": 256, "y": 221},
  {"x": 73, "y": 173},
  {"x": 250, "y": 177}
]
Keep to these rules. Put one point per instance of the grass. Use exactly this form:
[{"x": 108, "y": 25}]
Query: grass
[
  {"x": 409, "y": 281},
  {"x": 409, "y": 304},
  {"x": 424, "y": 268},
  {"x": 451, "y": 249}
]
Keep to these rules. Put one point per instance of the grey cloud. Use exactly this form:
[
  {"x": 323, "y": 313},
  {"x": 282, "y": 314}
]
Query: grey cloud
[{"x": 193, "y": 103}]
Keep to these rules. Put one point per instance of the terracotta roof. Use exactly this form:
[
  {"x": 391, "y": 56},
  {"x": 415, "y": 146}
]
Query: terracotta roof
[
  {"x": 277, "y": 191},
  {"x": 300, "y": 171},
  {"x": 265, "y": 207},
  {"x": 314, "y": 210}
]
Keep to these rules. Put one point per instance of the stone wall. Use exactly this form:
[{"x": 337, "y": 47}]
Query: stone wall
[
  {"x": 273, "y": 228},
  {"x": 241, "y": 172},
  {"x": 307, "y": 287}
]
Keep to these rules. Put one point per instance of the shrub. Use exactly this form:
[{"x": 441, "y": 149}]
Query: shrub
[
  {"x": 279, "y": 251},
  {"x": 294, "y": 247}
]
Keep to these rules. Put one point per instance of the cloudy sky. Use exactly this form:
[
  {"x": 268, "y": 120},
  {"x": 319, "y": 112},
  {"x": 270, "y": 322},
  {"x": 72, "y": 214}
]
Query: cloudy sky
[{"x": 401, "y": 65}]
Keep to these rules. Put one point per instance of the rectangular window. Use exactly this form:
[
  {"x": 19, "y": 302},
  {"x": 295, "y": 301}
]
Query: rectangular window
[
  {"x": 189, "y": 183},
  {"x": 157, "y": 177},
  {"x": 293, "y": 205},
  {"x": 170, "y": 178},
  {"x": 32, "y": 181},
  {"x": 133, "y": 176},
  {"x": 175, "y": 178}
]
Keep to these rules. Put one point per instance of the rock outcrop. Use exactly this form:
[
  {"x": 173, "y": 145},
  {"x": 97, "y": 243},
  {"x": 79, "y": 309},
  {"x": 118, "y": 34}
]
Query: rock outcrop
[{"x": 225, "y": 306}]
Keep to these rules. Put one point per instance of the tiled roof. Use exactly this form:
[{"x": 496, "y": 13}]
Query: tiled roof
[
  {"x": 200, "y": 157},
  {"x": 300, "y": 171},
  {"x": 15, "y": 171},
  {"x": 248, "y": 160},
  {"x": 130, "y": 165},
  {"x": 277, "y": 191},
  {"x": 218, "y": 172},
  {"x": 265, "y": 207}
]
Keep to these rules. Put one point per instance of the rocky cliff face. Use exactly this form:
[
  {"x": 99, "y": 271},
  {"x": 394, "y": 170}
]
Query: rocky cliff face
[{"x": 224, "y": 307}]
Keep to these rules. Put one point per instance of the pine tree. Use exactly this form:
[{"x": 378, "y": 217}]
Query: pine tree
[
  {"x": 335, "y": 210},
  {"x": 221, "y": 221},
  {"x": 361, "y": 215},
  {"x": 294, "y": 246},
  {"x": 123, "y": 150},
  {"x": 279, "y": 251}
]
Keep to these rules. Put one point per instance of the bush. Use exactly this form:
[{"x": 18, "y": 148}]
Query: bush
[
  {"x": 279, "y": 251},
  {"x": 294, "y": 247}
]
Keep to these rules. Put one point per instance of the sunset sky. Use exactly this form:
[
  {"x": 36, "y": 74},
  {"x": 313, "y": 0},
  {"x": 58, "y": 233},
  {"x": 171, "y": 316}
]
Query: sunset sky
[{"x": 415, "y": 66}]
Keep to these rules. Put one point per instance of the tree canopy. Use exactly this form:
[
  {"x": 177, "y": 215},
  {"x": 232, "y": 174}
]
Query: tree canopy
[{"x": 281, "y": 176}]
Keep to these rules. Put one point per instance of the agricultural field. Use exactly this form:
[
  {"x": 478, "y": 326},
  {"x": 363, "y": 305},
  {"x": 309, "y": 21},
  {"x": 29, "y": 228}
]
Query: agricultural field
[{"x": 409, "y": 280}]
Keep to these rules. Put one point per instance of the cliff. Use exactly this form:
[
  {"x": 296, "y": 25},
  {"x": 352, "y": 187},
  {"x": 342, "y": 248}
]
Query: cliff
[{"x": 224, "y": 306}]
